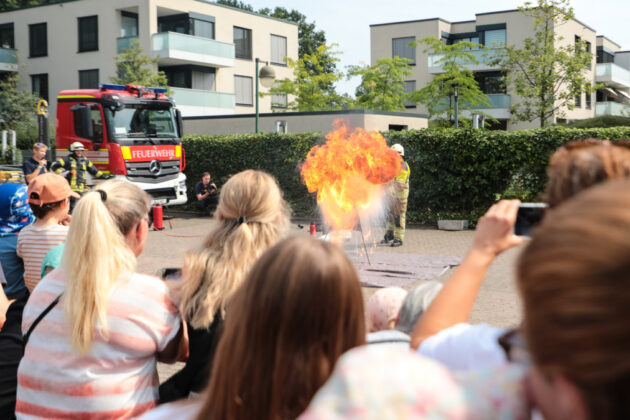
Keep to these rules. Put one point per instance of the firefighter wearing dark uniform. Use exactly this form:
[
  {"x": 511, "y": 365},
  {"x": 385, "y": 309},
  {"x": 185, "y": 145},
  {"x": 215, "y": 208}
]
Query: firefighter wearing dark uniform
[
  {"x": 399, "y": 192},
  {"x": 76, "y": 165}
]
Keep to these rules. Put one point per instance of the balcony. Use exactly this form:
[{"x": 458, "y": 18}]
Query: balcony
[
  {"x": 612, "y": 75},
  {"x": 498, "y": 106},
  {"x": 483, "y": 57},
  {"x": 612, "y": 108},
  {"x": 8, "y": 59},
  {"x": 123, "y": 43},
  {"x": 194, "y": 102},
  {"x": 173, "y": 48}
]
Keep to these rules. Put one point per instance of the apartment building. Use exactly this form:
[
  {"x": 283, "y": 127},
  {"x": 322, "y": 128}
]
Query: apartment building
[
  {"x": 206, "y": 50},
  {"x": 494, "y": 29}
]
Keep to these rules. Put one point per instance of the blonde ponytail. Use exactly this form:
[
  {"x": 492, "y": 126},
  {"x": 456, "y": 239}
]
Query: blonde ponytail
[
  {"x": 251, "y": 217},
  {"x": 96, "y": 255}
]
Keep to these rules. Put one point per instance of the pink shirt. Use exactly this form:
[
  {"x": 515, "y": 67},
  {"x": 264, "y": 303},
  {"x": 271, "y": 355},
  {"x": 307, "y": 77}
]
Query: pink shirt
[
  {"x": 117, "y": 377},
  {"x": 33, "y": 245}
]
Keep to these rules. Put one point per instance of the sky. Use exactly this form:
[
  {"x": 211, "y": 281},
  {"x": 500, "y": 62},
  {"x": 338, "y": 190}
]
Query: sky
[{"x": 347, "y": 22}]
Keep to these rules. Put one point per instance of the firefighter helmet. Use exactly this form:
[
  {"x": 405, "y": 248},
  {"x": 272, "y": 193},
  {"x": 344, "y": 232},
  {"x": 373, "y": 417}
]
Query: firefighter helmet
[
  {"x": 398, "y": 148},
  {"x": 77, "y": 145}
]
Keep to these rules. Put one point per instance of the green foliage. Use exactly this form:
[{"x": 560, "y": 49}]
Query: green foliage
[
  {"x": 439, "y": 94},
  {"x": 454, "y": 173},
  {"x": 310, "y": 86},
  {"x": 16, "y": 105},
  {"x": 602, "y": 121},
  {"x": 18, "y": 4},
  {"x": 236, "y": 4},
  {"x": 134, "y": 68},
  {"x": 548, "y": 71},
  {"x": 382, "y": 85}
]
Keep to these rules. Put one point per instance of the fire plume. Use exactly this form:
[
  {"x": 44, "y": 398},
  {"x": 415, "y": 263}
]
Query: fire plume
[{"x": 348, "y": 172}]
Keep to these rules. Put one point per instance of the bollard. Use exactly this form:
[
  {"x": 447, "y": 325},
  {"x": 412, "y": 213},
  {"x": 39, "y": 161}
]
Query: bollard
[
  {"x": 313, "y": 229},
  {"x": 157, "y": 218}
]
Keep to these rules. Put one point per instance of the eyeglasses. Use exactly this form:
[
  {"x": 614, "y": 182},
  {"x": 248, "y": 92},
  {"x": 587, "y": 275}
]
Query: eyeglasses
[
  {"x": 147, "y": 219},
  {"x": 515, "y": 348}
]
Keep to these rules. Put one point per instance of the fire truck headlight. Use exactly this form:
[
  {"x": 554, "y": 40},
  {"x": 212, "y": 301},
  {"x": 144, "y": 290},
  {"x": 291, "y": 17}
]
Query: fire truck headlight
[{"x": 182, "y": 185}]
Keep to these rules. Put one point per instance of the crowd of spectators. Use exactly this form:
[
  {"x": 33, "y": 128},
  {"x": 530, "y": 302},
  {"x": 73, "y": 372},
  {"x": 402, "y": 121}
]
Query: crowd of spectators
[{"x": 275, "y": 327}]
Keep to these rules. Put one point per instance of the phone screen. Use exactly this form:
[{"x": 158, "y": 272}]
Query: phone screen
[{"x": 528, "y": 217}]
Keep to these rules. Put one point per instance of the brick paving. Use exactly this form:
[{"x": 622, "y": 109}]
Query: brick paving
[{"x": 497, "y": 303}]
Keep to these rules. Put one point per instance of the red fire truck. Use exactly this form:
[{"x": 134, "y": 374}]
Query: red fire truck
[{"x": 129, "y": 131}]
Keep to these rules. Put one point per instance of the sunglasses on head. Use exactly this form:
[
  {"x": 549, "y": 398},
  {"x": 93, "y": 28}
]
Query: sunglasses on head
[{"x": 584, "y": 143}]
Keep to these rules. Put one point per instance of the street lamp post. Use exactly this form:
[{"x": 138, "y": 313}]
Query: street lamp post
[
  {"x": 456, "y": 109},
  {"x": 267, "y": 76}
]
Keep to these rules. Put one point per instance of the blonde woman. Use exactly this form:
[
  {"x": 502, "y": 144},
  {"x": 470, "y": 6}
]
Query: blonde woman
[
  {"x": 94, "y": 354},
  {"x": 251, "y": 217}
]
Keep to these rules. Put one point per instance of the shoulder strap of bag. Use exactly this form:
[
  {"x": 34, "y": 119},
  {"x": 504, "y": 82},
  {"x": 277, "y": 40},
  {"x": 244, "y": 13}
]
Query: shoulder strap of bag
[{"x": 40, "y": 317}]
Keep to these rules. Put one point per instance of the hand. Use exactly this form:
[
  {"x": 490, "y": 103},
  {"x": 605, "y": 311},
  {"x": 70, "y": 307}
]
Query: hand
[
  {"x": 494, "y": 230},
  {"x": 43, "y": 163},
  {"x": 107, "y": 176}
]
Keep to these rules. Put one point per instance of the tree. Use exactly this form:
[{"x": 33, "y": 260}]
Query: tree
[
  {"x": 17, "y": 4},
  {"x": 237, "y": 4},
  {"x": 382, "y": 85},
  {"x": 134, "y": 68},
  {"x": 546, "y": 72},
  {"x": 16, "y": 106},
  {"x": 310, "y": 86},
  {"x": 439, "y": 94}
]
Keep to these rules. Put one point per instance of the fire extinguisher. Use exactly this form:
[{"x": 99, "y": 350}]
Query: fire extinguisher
[{"x": 313, "y": 229}]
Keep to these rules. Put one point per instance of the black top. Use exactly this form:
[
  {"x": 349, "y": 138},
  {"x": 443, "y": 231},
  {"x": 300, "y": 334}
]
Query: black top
[
  {"x": 30, "y": 165},
  {"x": 201, "y": 188},
  {"x": 11, "y": 352},
  {"x": 194, "y": 377}
]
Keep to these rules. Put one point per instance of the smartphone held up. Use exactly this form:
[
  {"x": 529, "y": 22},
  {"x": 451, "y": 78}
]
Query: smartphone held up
[{"x": 528, "y": 217}]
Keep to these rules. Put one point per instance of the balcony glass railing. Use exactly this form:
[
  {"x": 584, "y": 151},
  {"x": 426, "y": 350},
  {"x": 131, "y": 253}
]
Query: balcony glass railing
[
  {"x": 8, "y": 56},
  {"x": 495, "y": 101},
  {"x": 168, "y": 41},
  {"x": 483, "y": 57},
  {"x": 612, "y": 108},
  {"x": 203, "y": 98},
  {"x": 124, "y": 42},
  {"x": 606, "y": 72}
]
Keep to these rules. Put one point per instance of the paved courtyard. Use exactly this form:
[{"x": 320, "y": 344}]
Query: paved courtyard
[{"x": 497, "y": 303}]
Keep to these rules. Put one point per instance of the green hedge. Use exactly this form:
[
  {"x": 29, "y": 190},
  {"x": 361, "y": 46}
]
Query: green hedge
[{"x": 454, "y": 173}]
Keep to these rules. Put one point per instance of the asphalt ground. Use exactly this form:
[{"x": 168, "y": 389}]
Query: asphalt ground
[{"x": 497, "y": 303}]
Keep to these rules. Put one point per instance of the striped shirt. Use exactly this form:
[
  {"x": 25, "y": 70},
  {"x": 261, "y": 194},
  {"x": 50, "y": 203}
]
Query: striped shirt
[
  {"x": 33, "y": 244},
  {"x": 116, "y": 378}
]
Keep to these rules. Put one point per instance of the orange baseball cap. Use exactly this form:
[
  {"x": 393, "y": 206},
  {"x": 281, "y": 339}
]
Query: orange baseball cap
[{"x": 49, "y": 188}]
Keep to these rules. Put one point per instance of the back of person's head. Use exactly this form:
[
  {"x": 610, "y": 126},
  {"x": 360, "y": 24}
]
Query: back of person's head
[
  {"x": 96, "y": 253},
  {"x": 381, "y": 311},
  {"x": 416, "y": 302},
  {"x": 573, "y": 277},
  {"x": 251, "y": 217},
  {"x": 300, "y": 308},
  {"x": 581, "y": 164},
  {"x": 49, "y": 192}
]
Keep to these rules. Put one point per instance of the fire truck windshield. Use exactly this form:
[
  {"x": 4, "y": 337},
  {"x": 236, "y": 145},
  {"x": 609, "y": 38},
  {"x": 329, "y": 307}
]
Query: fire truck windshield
[{"x": 135, "y": 121}]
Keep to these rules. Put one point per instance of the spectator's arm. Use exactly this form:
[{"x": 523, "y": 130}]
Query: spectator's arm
[
  {"x": 32, "y": 175},
  {"x": 454, "y": 302},
  {"x": 177, "y": 348}
]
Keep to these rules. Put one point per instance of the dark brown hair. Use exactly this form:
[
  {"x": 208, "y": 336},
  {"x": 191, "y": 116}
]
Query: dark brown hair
[
  {"x": 44, "y": 209},
  {"x": 300, "y": 308},
  {"x": 573, "y": 277},
  {"x": 583, "y": 163}
]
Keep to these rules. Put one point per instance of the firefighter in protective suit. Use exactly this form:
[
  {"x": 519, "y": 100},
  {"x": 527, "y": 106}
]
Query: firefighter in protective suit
[
  {"x": 399, "y": 192},
  {"x": 76, "y": 165}
]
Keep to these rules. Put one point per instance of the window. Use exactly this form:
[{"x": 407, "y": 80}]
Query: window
[
  {"x": 128, "y": 24},
  {"x": 410, "y": 86},
  {"x": 6, "y": 36},
  {"x": 88, "y": 79},
  {"x": 97, "y": 124},
  {"x": 279, "y": 101},
  {"x": 604, "y": 56},
  {"x": 494, "y": 38},
  {"x": 474, "y": 39},
  {"x": 243, "y": 90},
  {"x": 491, "y": 82},
  {"x": 401, "y": 48},
  {"x": 188, "y": 23},
  {"x": 190, "y": 77},
  {"x": 588, "y": 100},
  {"x": 242, "y": 43},
  {"x": 37, "y": 40},
  {"x": 88, "y": 33},
  {"x": 578, "y": 100},
  {"x": 278, "y": 49},
  {"x": 39, "y": 85},
  {"x": 588, "y": 47}
]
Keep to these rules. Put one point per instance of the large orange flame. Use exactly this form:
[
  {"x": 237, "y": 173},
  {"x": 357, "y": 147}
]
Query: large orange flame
[{"x": 348, "y": 172}]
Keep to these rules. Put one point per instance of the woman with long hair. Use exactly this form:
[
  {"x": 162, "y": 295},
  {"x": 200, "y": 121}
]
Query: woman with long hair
[
  {"x": 250, "y": 218},
  {"x": 299, "y": 310},
  {"x": 95, "y": 352}
]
